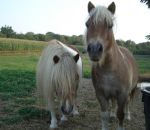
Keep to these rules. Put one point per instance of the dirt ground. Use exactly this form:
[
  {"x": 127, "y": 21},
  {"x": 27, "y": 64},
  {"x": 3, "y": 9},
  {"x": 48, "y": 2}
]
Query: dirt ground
[{"x": 89, "y": 118}]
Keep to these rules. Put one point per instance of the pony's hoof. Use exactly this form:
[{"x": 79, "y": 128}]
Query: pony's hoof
[
  {"x": 127, "y": 116},
  {"x": 53, "y": 127},
  {"x": 64, "y": 118},
  {"x": 120, "y": 128},
  {"x": 113, "y": 115},
  {"x": 76, "y": 113},
  {"x": 62, "y": 122}
]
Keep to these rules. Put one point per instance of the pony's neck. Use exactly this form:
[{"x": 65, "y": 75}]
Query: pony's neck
[{"x": 110, "y": 56}]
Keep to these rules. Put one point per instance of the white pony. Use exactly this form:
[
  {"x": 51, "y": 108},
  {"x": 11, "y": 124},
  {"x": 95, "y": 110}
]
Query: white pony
[{"x": 59, "y": 74}]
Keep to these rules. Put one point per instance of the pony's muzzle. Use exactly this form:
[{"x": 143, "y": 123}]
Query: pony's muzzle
[
  {"x": 95, "y": 50},
  {"x": 95, "y": 47},
  {"x": 66, "y": 111}
]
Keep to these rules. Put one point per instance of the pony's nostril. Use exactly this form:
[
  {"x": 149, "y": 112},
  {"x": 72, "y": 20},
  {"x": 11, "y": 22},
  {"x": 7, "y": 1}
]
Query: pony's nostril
[
  {"x": 63, "y": 110},
  {"x": 99, "y": 47},
  {"x": 89, "y": 48},
  {"x": 71, "y": 109},
  {"x": 67, "y": 112}
]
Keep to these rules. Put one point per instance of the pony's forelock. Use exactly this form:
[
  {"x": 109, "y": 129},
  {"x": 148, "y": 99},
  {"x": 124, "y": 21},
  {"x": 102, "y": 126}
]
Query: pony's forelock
[
  {"x": 65, "y": 76},
  {"x": 102, "y": 14}
]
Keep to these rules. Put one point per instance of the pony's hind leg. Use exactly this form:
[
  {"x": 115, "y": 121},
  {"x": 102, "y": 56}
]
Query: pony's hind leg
[{"x": 51, "y": 107}]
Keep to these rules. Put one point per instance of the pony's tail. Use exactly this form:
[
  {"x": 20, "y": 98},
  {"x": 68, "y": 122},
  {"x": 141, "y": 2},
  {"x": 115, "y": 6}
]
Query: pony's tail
[
  {"x": 144, "y": 78},
  {"x": 141, "y": 78},
  {"x": 133, "y": 92}
]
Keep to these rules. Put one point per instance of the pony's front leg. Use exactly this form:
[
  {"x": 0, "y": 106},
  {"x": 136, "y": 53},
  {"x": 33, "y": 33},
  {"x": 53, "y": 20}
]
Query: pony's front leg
[
  {"x": 120, "y": 111},
  {"x": 75, "y": 110},
  {"x": 127, "y": 112},
  {"x": 105, "y": 115},
  {"x": 51, "y": 107},
  {"x": 113, "y": 108}
]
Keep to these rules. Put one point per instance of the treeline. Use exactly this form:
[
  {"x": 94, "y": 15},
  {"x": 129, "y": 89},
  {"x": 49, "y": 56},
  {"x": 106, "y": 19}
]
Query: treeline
[
  {"x": 138, "y": 49},
  {"x": 8, "y": 32}
]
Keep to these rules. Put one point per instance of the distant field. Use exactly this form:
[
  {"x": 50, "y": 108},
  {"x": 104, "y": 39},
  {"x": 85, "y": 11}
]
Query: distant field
[{"x": 8, "y": 45}]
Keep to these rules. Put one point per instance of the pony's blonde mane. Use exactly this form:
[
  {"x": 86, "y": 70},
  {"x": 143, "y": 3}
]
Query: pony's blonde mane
[
  {"x": 101, "y": 14},
  {"x": 61, "y": 78}
]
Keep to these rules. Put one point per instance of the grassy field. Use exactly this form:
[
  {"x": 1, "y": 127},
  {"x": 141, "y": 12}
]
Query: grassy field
[{"x": 17, "y": 82}]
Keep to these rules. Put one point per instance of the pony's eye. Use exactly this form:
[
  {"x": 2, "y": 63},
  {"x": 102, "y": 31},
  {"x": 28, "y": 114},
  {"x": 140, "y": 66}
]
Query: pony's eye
[
  {"x": 87, "y": 24},
  {"x": 110, "y": 26}
]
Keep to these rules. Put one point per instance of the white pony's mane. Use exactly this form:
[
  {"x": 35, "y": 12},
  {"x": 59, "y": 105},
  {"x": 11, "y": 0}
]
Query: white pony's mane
[
  {"x": 60, "y": 78},
  {"x": 101, "y": 14},
  {"x": 64, "y": 75}
]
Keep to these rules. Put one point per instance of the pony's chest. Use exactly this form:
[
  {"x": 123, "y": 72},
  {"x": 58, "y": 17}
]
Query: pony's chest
[
  {"x": 108, "y": 79},
  {"x": 107, "y": 82}
]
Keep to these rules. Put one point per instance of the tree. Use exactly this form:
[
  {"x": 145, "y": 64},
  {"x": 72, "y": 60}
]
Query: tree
[
  {"x": 30, "y": 36},
  {"x": 8, "y": 31},
  {"x": 39, "y": 37},
  {"x": 147, "y": 2},
  {"x": 20, "y": 36},
  {"x": 120, "y": 42},
  {"x": 2, "y": 35},
  {"x": 131, "y": 45},
  {"x": 147, "y": 37},
  {"x": 49, "y": 36}
]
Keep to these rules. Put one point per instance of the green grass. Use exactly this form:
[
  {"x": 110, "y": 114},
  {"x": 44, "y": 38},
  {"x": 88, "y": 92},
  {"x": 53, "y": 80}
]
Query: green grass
[
  {"x": 143, "y": 62},
  {"x": 17, "y": 88},
  {"x": 27, "y": 62},
  {"x": 86, "y": 66}
]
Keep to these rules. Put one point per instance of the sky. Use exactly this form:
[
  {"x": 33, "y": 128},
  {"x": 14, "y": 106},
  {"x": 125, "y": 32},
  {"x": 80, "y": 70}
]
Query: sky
[{"x": 68, "y": 17}]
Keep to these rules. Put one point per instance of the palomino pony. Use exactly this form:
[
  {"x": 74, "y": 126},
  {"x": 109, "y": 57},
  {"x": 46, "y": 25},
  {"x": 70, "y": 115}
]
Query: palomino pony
[
  {"x": 114, "y": 70},
  {"x": 59, "y": 73}
]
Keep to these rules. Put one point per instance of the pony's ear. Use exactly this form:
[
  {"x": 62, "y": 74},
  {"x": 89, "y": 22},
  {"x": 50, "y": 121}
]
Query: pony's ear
[
  {"x": 112, "y": 7},
  {"x": 76, "y": 57},
  {"x": 90, "y": 6},
  {"x": 55, "y": 59}
]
